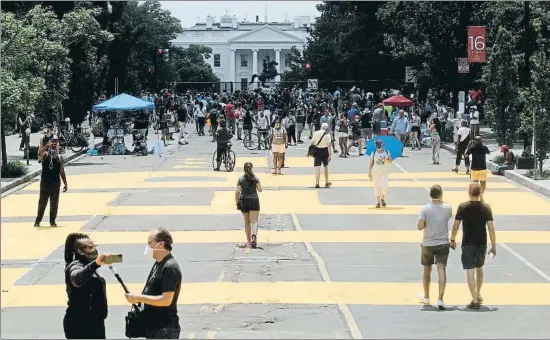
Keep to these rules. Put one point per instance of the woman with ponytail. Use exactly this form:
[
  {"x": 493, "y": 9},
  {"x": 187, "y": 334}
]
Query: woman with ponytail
[
  {"x": 248, "y": 202},
  {"x": 87, "y": 307}
]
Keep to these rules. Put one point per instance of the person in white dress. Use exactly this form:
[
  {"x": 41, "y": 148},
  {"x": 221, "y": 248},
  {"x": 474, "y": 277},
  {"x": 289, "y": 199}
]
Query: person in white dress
[{"x": 380, "y": 161}]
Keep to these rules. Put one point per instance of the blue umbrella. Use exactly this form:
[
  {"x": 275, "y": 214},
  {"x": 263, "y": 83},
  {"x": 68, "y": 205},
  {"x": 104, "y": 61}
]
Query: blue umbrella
[{"x": 389, "y": 143}]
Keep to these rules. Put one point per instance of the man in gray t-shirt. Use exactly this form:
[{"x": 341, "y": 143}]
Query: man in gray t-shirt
[{"x": 434, "y": 220}]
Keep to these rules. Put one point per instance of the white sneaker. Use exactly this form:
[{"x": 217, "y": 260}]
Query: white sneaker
[
  {"x": 440, "y": 304},
  {"x": 424, "y": 300}
]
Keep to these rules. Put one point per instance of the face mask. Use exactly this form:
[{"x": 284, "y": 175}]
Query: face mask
[
  {"x": 91, "y": 256},
  {"x": 148, "y": 250}
]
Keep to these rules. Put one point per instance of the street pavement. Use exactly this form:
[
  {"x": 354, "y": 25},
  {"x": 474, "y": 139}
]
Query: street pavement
[{"x": 329, "y": 265}]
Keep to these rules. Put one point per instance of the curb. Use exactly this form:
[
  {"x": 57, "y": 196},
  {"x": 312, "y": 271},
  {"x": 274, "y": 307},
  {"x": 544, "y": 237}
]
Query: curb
[
  {"x": 32, "y": 175},
  {"x": 511, "y": 175}
]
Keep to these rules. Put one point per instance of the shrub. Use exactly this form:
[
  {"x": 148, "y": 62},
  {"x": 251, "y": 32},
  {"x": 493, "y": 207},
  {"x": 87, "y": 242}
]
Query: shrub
[
  {"x": 499, "y": 159},
  {"x": 544, "y": 176},
  {"x": 14, "y": 169}
]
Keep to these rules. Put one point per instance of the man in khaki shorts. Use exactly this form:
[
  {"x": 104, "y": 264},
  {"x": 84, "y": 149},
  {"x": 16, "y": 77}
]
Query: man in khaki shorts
[{"x": 434, "y": 220}]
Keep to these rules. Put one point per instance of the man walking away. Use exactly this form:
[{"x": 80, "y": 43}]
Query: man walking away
[
  {"x": 52, "y": 172},
  {"x": 182, "y": 123},
  {"x": 474, "y": 215},
  {"x": 434, "y": 220},
  {"x": 162, "y": 289},
  {"x": 479, "y": 163}
]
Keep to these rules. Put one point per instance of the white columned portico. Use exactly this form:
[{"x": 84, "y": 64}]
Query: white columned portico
[
  {"x": 232, "y": 68},
  {"x": 278, "y": 60},
  {"x": 255, "y": 64}
]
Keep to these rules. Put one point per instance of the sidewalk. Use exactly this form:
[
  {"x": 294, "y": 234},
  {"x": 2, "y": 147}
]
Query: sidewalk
[
  {"x": 518, "y": 176},
  {"x": 13, "y": 153}
]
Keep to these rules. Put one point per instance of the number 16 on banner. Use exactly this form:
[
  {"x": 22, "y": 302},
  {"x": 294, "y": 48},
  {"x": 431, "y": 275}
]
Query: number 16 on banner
[{"x": 477, "y": 47}]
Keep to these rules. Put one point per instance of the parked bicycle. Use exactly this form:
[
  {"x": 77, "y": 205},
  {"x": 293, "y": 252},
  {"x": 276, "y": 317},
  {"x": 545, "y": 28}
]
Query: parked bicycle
[
  {"x": 228, "y": 158},
  {"x": 75, "y": 139}
]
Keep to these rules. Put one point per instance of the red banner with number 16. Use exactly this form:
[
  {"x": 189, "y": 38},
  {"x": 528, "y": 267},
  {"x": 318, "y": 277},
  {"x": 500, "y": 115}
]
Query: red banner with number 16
[{"x": 477, "y": 47}]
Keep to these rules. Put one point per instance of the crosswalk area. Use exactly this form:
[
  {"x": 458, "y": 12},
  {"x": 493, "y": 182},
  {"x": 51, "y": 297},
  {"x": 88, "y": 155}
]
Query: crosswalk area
[{"x": 329, "y": 264}]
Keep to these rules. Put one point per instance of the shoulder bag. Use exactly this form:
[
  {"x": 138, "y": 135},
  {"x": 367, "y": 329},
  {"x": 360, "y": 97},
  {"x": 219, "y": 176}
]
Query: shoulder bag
[{"x": 313, "y": 148}]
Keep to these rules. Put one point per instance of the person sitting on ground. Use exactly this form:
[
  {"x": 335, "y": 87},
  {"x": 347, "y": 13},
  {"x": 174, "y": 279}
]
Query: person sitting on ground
[{"x": 509, "y": 161}]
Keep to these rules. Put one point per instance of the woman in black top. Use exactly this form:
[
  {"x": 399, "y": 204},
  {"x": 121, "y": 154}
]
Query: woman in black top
[
  {"x": 248, "y": 202},
  {"x": 87, "y": 306}
]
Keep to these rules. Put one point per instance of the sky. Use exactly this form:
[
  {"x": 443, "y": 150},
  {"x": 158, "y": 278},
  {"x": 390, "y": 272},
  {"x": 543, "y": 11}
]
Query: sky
[{"x": 189, "y": 11}]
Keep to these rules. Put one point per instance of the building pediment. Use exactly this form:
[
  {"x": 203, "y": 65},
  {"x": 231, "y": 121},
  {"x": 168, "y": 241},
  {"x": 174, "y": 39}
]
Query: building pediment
[{"x": 266, "y": 33}]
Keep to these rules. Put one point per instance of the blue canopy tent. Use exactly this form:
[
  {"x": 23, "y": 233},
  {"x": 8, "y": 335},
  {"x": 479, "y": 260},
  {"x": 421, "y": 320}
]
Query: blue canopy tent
[
  {"x": 124, "y": 102},
  {"x": 389, "y": 143}
]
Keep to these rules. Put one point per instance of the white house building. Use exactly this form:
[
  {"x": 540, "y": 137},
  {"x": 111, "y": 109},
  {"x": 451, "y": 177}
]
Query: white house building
[{"x": 238, "y": 48}]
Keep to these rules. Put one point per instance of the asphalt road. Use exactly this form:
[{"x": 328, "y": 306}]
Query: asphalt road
[{"x": 330, "y": 264}]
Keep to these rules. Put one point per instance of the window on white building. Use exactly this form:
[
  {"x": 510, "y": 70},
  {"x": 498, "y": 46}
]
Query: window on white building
[
  {"x": 287, "y": 60},
  {"x": 217, "y": 60},
  {"x": 244, "y": 60},
  {"x": 244, "y": 84}
]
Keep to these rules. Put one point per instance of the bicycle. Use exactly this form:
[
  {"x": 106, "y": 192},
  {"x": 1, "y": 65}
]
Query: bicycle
[
  {"x": 228, "y": 159},
  {"x": 73, "y": 139},
  {"x": 252, "y": 141}
]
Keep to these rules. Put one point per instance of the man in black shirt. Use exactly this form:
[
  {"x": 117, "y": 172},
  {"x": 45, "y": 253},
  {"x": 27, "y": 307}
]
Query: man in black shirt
[
  {"x": 162, "y": 289},
  {"x": 479, "y": 163},
  {"x": 50, "y": 181},
  {"x": 182, "y": 123},
  {"x": 474, "y": 215},
  {"x": 366, "y": 127}
]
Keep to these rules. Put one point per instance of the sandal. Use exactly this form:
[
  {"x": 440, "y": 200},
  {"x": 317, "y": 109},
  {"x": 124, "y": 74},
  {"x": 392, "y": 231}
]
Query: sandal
[
  {"x": 327, "y": 185},
  {"x": 474, "y": 305}
]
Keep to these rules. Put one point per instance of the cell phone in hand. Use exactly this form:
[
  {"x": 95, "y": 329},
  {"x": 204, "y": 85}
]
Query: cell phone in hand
[{"x": 113, "y": 258}]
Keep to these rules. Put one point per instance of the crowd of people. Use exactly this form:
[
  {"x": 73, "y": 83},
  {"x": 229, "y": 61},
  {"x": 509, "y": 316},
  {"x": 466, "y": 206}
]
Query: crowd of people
[{"x": 353, "y": 119}]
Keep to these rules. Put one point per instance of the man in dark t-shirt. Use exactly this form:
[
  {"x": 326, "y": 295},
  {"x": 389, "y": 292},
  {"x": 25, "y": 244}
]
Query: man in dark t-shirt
[
  {"x": 474, "y": 215},
  {"x": 50, "y": 180},
  {"x": 479, "y": 154},
  {"x": 162, "y": 288}
]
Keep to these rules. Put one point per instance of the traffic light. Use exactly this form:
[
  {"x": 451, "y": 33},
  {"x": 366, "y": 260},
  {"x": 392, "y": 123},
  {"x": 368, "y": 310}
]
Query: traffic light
[{"x": 166, "y": 55}]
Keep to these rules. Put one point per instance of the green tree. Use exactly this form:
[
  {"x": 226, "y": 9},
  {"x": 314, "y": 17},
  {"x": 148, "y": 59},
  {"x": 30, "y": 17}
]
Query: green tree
[
  {"x": 141, "y": 30},
  {"x": 297, "y": 72},
  {"x": 537, "y": 102},
  {"x": 502, "y": 87},
  {"x": 20, "y": 80}
]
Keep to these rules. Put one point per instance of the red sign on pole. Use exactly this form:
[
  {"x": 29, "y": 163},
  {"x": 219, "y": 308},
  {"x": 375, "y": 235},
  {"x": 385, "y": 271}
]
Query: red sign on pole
[{"x": 477, "y": 48}]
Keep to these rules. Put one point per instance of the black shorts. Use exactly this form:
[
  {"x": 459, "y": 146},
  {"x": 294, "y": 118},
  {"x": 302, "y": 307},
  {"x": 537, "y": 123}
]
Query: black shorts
[
  {"x": 250, "y": 204},
  {"x": 434, "y": 254},
  {"x": 473, "y": 256},
  {"x": 415, "y": 129},
  {"x": 321, "y": 157}
]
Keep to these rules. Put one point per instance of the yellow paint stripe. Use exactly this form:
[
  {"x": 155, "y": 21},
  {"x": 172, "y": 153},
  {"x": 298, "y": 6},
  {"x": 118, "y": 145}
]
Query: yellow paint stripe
[
  {"x": 315, "y": 236},
  {"x": 211, "y": 335},
  {"x": 22, "y": 241},
  {"x": 8, "y": 277},
  {"x": 367, "y": 293},
  {"x": 191, "y": 335},
  {"x": 70, "y": 204},
  {"x": 132, "y": 180},
  {"x": 297, "y": 209}
]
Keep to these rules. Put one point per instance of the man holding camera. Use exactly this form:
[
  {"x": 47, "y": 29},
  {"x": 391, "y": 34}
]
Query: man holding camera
[{"x": 50, "y": 182}]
